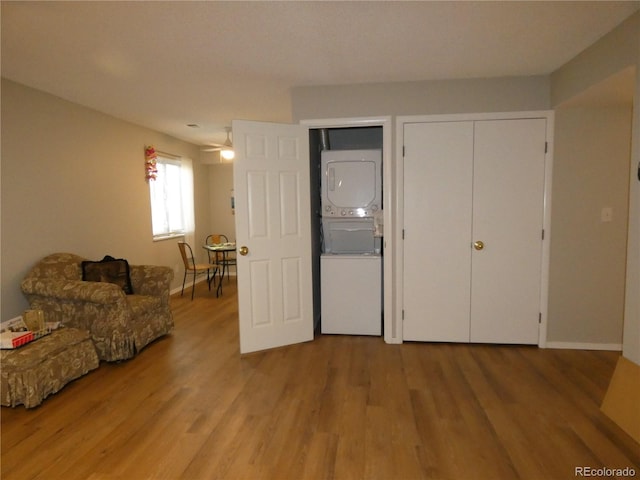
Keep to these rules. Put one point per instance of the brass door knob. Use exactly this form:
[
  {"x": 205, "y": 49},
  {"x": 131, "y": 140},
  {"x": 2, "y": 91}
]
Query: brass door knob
[
  {"x": 243, "y": 250},
  {"x": 478, "y": 245}
]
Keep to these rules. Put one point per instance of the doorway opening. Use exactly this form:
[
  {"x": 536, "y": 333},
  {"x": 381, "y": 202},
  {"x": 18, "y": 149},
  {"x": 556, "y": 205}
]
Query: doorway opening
[{"x": 333, "y": 138}]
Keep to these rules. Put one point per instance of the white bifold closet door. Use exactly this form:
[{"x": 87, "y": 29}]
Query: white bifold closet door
[
  {"x": 473, "y": 215},
  {"x": 438, "y": 195}
]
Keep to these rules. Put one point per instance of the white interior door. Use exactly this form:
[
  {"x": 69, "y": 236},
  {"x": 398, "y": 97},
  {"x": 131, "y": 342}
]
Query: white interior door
[
  {"x": 438, "y": 178},
  {"x": 508, "y": 194},
  {"x": 271, "y": 184}
]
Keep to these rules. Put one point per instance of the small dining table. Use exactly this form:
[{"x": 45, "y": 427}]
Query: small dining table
[{"x": 223, "y": 248}]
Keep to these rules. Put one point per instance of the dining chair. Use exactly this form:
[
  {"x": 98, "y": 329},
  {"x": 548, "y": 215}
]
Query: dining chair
[
  {"x": 190, "y": 266},
  {"x": 226, "y": 259}
]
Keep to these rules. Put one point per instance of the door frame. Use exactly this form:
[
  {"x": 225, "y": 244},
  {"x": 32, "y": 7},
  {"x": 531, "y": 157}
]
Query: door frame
[
  {"x": 397, "y": 233},
  {"x": 392, "y": 329}
]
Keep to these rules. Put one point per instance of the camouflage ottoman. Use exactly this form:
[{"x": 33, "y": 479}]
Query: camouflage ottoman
[{"x": 31, "y": 373}]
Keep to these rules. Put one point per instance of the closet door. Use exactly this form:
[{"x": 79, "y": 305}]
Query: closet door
[
  {"x": 508, "y": 189},
  {"x": 438, "y": 173}
]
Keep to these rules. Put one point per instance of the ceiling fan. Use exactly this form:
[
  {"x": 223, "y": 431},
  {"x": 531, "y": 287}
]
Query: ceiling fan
[{"x": 225, "y": 149}]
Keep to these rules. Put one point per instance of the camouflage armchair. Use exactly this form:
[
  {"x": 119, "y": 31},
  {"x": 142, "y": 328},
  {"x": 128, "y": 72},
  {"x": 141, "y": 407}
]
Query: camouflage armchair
[{"x": 120, "y": 325}]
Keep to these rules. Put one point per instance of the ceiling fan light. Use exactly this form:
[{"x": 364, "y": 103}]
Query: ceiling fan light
[{"x": 227, "y": 154}]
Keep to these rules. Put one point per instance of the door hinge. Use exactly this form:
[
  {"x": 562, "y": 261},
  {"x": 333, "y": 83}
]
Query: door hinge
[
  {"x": 540, "y": 317},
  {"x": 543, "y": 233},
  {"x": 403, "y": 233},
  {"x": 402, "y": 314},
  {"x": 546, "y": 147},
  {"x": 403, "y": 147}
]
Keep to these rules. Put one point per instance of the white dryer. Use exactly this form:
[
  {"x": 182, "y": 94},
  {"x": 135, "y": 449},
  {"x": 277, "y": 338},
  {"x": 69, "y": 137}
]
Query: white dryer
[{"x": 351, "y": 183}]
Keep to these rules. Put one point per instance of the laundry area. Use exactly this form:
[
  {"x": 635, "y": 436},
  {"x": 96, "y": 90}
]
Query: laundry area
[{"x": 347, "y": 229}]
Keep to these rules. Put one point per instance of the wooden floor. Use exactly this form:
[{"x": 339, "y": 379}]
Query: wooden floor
[{"x": 340, "y": 407}]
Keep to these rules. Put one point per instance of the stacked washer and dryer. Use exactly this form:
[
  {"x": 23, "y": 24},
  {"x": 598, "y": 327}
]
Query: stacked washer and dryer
[{"x": 351, "y": 262}]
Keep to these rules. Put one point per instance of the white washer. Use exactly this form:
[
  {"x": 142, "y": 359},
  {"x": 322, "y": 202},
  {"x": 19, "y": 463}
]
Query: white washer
[{"x": 351, "y": 294}]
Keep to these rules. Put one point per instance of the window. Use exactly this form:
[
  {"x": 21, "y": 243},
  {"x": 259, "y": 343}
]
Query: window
[{"x": 171, "y": 197}]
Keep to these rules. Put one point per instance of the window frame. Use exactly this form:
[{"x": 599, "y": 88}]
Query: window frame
[{"x": 164, "y": 159}]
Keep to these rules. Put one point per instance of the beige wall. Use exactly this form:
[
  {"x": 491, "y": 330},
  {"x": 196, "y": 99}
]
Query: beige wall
[
  {"x": 73, "y": 181},
  {"x": 588, "y": 256},
  {"x": 222, "y": 219},
  {"x": 422, "y": 98},
  {"x": 508, "y": 94},
  {"x": 612, "y": 54}
]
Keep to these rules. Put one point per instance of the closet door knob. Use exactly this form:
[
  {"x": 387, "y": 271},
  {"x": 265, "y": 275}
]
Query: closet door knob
[
  {"x": 244, "y": 250},
  {"x": 478, "y": 245}
]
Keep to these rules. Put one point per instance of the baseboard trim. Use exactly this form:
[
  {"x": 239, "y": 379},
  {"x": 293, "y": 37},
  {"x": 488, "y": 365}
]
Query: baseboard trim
[
  {"x": 616, "y": 347},
  {"x": 200, "y": 279},
  {"x": 187, "y": 285}
]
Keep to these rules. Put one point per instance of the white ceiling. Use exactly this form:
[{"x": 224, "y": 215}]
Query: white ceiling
[{"x": 168, "y": 64}]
